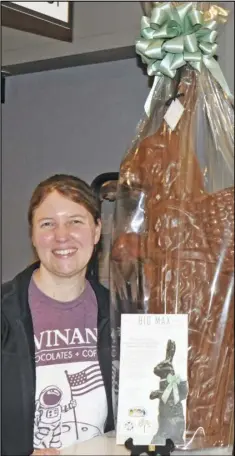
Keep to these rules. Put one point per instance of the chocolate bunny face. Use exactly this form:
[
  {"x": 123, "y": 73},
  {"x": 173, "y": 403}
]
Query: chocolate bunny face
[{"x": 165, "y": 367}]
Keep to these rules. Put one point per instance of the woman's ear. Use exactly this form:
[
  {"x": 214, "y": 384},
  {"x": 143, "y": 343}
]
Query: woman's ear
[
  {"x": 98, "y": 228},
  {"x": 32, "y": 239}
]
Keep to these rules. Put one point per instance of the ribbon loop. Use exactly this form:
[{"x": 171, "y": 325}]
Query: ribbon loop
[
  {"x": 196, "y": 18},
  {"x": 155, "y": 50},
  {"x": 190, "y": 43},
  {"x": 159, "y": 14},
  {"x": 184, "y": 9},
  {"x": 208, "y": 48},
  {"x": 166, "y": 66},
  {"x": 178, "y": 61},
  {"x": 175, "y": 45},
  {"x": 177, "y": 35}
]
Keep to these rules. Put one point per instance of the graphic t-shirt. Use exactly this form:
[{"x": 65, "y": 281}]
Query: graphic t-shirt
[{"x": 71, "y": 403}]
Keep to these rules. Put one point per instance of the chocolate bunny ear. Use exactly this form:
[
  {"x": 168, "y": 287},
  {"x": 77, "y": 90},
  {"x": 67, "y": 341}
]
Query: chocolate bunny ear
[{"x": 170, "y": 350}]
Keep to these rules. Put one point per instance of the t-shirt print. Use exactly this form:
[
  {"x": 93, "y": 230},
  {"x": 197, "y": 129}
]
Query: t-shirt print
[{"x": 71, "y": 402}]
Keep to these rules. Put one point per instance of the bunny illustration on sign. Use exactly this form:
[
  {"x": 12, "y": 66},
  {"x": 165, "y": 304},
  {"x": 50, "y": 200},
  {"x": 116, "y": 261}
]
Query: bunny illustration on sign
[{"x": 171, "y": 393}]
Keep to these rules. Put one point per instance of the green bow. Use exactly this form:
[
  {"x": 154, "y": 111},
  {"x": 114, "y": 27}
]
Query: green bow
[
  {"x": 173, "y": 382},
  {"x": 175, "y": 36}
]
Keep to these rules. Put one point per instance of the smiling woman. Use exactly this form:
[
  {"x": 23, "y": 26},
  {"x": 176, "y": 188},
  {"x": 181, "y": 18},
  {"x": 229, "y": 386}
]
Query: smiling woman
[
  {"x": 64, "y": 234},
  {"x": 54, "y": 296}
]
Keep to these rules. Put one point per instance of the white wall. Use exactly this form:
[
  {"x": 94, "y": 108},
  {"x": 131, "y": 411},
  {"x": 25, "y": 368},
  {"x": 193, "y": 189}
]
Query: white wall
[{"x": 78, "y": 121}]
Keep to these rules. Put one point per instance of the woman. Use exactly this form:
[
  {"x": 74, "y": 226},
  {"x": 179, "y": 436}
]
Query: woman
[{"x": 56, "y": 344}]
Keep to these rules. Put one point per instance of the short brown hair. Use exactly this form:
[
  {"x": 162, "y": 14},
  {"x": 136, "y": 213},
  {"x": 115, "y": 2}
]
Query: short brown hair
[{"x": 69, "y": 186}]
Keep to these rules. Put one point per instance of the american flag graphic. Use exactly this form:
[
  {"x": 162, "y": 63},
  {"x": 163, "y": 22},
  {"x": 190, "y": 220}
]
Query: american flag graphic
[{"x": 85, "y": 381}]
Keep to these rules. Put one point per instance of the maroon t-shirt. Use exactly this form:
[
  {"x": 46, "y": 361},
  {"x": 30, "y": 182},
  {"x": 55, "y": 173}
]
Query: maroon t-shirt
[{"x": 71, "y": 401}]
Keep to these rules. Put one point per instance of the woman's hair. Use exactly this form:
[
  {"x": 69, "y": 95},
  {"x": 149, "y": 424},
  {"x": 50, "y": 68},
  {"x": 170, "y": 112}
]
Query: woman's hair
[{"x": 70, "y": 187}]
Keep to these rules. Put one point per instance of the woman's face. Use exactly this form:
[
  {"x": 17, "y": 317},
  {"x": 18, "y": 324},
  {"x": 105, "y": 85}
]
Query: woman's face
[{"x": 64, "y": 235}]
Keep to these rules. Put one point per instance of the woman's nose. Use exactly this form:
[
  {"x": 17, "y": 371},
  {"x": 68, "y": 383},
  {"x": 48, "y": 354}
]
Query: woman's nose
[{"x": 61, "y": 233}]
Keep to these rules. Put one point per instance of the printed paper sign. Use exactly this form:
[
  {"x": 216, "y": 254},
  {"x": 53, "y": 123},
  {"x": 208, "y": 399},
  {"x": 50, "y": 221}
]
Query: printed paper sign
[{"x": 153, "y": 383}]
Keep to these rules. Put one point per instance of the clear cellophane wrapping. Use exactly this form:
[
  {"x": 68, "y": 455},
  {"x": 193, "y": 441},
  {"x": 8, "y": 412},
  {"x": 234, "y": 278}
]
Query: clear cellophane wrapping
[{"x": 173, "y": 242}]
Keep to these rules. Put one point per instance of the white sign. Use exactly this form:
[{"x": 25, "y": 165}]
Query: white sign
[
  {"x": 153, "y": 384},
  {"x": 55, "y": 10},
  {"x": 174, "y": 113}
]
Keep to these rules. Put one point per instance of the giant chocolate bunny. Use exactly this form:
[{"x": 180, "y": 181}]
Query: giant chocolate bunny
[{"x": 186, "y": 253}]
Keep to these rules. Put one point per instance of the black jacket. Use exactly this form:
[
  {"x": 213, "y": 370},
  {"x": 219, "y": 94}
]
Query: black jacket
[{"x": 18, "y": 363}]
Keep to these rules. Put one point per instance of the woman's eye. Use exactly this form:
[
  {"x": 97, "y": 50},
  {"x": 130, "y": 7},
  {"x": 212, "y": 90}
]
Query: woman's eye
[
  {"x": 46, "y": 224},
  {"x": 76, "y": 222}
]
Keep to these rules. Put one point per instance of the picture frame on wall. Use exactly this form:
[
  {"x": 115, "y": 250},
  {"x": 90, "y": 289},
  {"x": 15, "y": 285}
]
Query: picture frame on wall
[{"x": 49, "y": 19}]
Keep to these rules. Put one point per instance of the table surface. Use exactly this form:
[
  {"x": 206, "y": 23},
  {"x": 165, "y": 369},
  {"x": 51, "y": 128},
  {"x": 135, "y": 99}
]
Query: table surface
[{"x": 106, "y": 446}]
